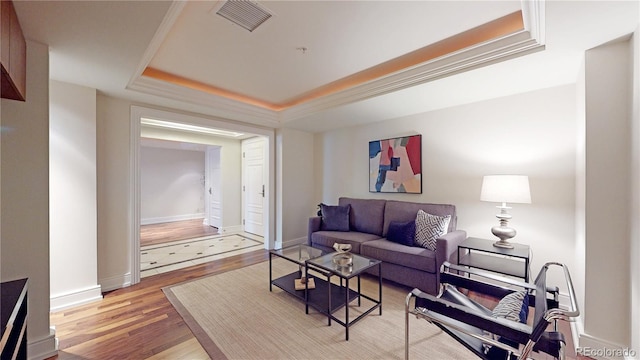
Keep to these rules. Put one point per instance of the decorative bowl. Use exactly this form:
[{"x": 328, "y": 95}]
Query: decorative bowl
[
  {"x": 342, "y": 248},
  {"x": 343, "y": 259}
]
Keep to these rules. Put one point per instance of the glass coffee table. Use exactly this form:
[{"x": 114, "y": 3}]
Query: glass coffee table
[{"x": 327, "y": 297}]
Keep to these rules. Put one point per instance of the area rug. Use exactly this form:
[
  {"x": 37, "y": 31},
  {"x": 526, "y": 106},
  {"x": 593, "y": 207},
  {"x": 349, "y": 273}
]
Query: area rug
[{"x": 235, "y": 316}]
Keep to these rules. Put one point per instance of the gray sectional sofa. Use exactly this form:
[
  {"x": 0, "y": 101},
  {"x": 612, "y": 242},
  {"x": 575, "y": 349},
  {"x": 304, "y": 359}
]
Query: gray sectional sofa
[{"x": 369, "y": 221}]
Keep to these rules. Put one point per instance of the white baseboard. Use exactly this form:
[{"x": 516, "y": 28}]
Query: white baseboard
[
  {"x": 164, "y": 219},
  {"x": 291, "y": 242},
  {"x": 115, "y": 282},
  {"x": 231, "y": 229},
  {"x": 75, "y": 298},
  {"x": 601, "y": 349},
  {"x": 43, "y": 348}
]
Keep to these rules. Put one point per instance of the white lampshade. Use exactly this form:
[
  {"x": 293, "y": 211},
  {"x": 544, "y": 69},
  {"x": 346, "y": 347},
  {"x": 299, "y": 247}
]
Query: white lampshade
[{"x": 506, "y": 189}]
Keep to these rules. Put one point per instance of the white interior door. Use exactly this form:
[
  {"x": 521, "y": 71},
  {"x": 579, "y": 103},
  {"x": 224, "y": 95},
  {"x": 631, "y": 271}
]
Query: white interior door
[
  {"x": 213, "y": 190},
  {"x": 254, "y": 185}
]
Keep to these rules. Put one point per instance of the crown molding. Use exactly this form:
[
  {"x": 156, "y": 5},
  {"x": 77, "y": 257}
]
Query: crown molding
[
  {"x": 501, "y": 49},
  {"x": 528, "y": 40},
  {"x": 220, "y": 106}
]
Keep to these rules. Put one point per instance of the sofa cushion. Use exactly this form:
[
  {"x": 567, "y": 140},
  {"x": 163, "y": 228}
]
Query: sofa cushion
[
  {"x": 410, "y": 256},
  {"x": 328, "y": 238},
  {"x": 335, "y": 218},
  {"x": 429, "y": 228},
  {"x": 402, "y": 233},
  {"x": 367, "y": 215},
  {"x": 404, "y": 211}
]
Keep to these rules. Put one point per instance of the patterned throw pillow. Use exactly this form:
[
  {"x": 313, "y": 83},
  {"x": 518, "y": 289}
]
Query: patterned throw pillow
[
  {"x": 429, "y": 228},
  {"x": 513, "y": 307}
]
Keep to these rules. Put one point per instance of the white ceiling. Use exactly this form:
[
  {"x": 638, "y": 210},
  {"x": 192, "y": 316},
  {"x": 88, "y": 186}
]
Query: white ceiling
[{"x": 107, "y": 44}]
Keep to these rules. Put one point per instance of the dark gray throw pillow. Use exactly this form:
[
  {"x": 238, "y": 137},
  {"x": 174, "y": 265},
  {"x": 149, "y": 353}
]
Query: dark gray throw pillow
[
  {"x": 335, "y": 218},
  {"x": 402, "y": 232}
]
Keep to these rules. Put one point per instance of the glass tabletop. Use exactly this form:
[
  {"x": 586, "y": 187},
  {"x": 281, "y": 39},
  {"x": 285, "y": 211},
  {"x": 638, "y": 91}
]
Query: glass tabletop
[
  {"x": 343, "y": 264},
  {"x": 298, "y": 253}
]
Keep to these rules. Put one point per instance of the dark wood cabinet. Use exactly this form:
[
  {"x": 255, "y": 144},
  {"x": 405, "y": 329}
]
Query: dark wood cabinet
[
  {"x": 13, "y": 301},
  {"x": 13, "y": 54}
]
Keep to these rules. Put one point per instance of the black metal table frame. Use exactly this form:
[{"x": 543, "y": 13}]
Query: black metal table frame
[
  {"x": 327, "y": 308},
  {"x": 377, "y": 304}
]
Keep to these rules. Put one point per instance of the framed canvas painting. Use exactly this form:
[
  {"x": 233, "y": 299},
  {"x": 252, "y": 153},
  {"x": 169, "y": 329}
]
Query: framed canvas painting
[{"x": 395, "y": 165}]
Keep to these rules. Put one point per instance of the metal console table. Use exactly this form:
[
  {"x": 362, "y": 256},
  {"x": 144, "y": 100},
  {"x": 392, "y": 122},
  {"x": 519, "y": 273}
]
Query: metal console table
[{"x": 481, "y": 254}]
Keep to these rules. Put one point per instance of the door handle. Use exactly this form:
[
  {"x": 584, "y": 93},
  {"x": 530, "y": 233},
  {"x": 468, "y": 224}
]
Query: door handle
[
  {"x": 262, "y": 190},
  {"x": 210, "y": 193}
]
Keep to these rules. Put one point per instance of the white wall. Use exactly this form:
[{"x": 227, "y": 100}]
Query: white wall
[
  {"x": 531, "y": 134},
  {"x": 295, "y": 179},
  {"x": 171, "y": 184},
  {"x": 24, "y": 226},
  {"x": 608, "y": 87},
  {"x": 230, "y": 162},
  {"x": 73, "y": 195}
]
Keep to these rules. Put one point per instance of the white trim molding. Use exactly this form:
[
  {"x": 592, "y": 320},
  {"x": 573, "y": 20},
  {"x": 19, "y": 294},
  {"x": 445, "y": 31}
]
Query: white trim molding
[
  {"x": 601, "y": 349},
  {"x": 115, "y": 282},
  {"x": 43, "y": 348},
  {"x": 164, "y": 219},
  {"x": 75, "y": 298}
]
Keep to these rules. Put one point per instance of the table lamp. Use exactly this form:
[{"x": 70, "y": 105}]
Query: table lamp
[{"x": 505, "y": 189}]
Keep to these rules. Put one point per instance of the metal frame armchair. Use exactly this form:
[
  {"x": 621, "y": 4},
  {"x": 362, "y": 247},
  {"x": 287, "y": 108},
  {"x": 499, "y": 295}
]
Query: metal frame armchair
[{"x": 473, "y": 325}]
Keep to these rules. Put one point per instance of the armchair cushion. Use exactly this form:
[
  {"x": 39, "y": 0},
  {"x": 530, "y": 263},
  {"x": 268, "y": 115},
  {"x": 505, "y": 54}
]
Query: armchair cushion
[{"x": 514, "y": 307}]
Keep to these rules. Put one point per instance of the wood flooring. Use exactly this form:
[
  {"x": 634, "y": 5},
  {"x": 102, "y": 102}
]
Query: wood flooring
[
  {"x": 154, "y": 234},
  {"x": 138, "y": 322}
]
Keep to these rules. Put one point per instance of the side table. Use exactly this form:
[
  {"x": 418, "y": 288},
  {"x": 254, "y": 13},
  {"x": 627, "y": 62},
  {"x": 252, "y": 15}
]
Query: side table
[{"x": 481, "y": 254}]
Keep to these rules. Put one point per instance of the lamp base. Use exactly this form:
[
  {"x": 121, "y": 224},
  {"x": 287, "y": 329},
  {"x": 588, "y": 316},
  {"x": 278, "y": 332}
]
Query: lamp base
[
  {"x": 503, "y": 232},
  {"x": 503, "y": 244}
]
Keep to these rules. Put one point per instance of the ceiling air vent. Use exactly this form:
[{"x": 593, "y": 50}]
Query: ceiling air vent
[{"x": 247, "y": 14}]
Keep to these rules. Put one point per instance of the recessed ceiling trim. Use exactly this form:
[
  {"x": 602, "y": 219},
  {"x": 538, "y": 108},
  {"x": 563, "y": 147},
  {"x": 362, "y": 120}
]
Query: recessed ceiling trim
[
  {"x": 216, "y": 105},
  {"x": 505, "y": 38},
  {"x": 498, "y": 28},
  {"x": 161, "y": 33},
  {"x": 197, "y": 85},
  {"x": 188, "y": 127}
]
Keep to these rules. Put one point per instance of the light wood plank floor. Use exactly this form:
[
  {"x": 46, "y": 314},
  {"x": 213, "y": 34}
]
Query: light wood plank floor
[{"x": 172, "y": 231}]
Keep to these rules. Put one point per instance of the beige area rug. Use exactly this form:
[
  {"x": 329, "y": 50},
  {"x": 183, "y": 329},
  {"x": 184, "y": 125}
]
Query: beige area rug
[{"x": 234, "y": 316}]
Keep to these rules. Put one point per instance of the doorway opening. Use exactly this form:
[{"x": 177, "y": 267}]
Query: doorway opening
[{"x": 217, "y": 184}]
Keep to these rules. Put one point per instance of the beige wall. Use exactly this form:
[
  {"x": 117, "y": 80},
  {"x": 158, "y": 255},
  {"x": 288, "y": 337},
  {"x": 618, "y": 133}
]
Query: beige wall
[
  {"x": 608, "y": 146},
  {"x": 635, "y": 192},
  {"x": 230, "y": 161},
  {"x": 24, "y": 229},
  {"x": 114, "y": 220},
  {"x": 295, "y": 182}
]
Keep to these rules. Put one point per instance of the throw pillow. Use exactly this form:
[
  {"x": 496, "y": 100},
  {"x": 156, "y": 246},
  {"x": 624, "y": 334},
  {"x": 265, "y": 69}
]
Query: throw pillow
[
  {"x": 402, "y": 233},
  {"x": 514, "y": 307},
  {"x": 429, "y": 228},
  {"x": 335, "y": 218}
]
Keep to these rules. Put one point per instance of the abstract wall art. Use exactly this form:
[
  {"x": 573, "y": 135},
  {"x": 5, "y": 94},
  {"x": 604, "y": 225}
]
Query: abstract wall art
[{"x": 395, "y": 165}]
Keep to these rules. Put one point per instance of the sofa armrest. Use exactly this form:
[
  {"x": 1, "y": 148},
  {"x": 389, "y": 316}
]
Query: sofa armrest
[
  {"x": 447, "y": 247},
  {"x": 314, "y": 225}
]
